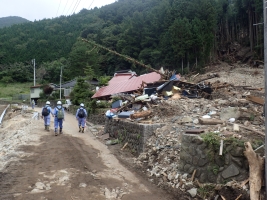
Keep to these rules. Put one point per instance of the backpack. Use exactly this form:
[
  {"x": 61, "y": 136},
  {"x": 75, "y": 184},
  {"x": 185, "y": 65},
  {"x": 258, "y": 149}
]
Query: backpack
[
  {"x": 45, "y": 111},
  {"x": 81, "y": 113},
  {"x": 60, "y": 114}
]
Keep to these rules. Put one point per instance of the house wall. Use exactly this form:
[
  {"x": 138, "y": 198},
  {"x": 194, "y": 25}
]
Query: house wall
[{"x": 35, "y": 92}]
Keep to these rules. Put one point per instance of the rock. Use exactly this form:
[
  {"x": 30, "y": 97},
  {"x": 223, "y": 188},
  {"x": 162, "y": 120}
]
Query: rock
[
  {"x": 192, "y": 192},
  {"x": 82, "y": 185},
  {"x": 40, "y": 186},
  {"x": 230, "y": 112},
  {"x": 230, "y": 171}
]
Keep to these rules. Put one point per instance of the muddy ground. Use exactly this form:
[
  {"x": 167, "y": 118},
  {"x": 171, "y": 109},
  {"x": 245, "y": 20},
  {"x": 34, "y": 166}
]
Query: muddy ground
[{"x": 71, "y": 166}]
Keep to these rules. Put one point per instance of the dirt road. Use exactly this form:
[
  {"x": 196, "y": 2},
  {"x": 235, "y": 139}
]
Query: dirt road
[{"x": 72, "y": 166}]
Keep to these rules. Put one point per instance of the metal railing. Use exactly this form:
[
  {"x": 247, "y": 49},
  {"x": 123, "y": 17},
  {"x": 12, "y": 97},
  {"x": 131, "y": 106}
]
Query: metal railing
[{"x": 3, "y": 114}]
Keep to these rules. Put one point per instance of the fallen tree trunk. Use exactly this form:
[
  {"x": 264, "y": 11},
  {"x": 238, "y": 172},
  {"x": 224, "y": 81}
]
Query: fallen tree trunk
[
  {"x": 255, "y": 171},
  {"x": 210, "y": 121}
]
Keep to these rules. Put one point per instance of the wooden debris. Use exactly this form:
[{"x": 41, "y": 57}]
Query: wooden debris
[
  {"x": 195, "y": 131},
  {"x": 257, "y": 100},
  {"x": 223, "y": 197},
  {"x": 250, "y": 129},
  {"x": 141, "y": 114},
  {"x": 238, "y": 197},
  {"x": 256, "y": 168},
  {"x": 204, "y": 121},
  {"x": 145, "y": 122},
  {"x": 193, "y": 175},
  {"x": 124, "y": 146},
  {"x": 251, "y": 88},
  {"x": 244, "y": 183}
]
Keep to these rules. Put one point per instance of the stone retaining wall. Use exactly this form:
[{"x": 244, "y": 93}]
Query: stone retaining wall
[
  {"x": 210, "y": 167},
  {"x": 97, "y": 119},
  {"x": 134, "y": 133}
]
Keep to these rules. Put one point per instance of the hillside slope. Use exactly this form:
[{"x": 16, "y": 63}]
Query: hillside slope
[{"x": 9, "y": 21}]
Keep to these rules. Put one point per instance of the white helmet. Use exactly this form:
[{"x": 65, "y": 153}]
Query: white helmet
[
  {"x": 82, "y": 104},
  {"x": 59, "y": 103},
  {"x": 47, "y": 103}
]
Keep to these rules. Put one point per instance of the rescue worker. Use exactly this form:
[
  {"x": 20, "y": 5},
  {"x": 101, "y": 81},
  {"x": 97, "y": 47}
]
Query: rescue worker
[
  {"x": 46, "y": 111},
  {"x": 81, "y": 116},
  {"x": 33, "y": 104},
  {"x": 59, "y": 117}
]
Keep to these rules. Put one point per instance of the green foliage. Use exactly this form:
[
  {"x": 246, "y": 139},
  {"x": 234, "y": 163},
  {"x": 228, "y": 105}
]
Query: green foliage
[
  {"x": 214, "y": 169},
  {"x": 80, "y": 92},
  {"x": 212, "y": 139},
  {"x": 155, "y": 32},
  {"x": 92, "y": 106},
  {"x": 257, "y": 143},
  {"x": 11, "y": 89},
  {"x": 206, "y": 191},
  {"x": 11, "y": 20},
  {"x": 103, "y": 104},
  {"x": 7, "y": 79},
  {"x": 103, "y": 80}
]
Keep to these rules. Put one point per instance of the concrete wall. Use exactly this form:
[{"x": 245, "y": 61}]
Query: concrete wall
[
  {"x": 210, "y": 166},
  {"x": 134, "y": 133}
]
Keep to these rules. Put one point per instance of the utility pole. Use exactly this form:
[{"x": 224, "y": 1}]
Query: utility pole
[
  {"x": 33, "y": 61},
  {"x": 60, "y": 82},
  {"x": 265, "y": 78}
]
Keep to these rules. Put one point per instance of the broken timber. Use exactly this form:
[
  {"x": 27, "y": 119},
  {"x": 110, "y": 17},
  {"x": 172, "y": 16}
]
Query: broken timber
[
  {"x": 140, "y": 114},
  {"x": 257, "y": 100},
  {"x": 256, "y": 167},
  {"x": 210, "y": 121}
]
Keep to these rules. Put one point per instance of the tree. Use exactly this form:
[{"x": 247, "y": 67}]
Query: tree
[{"x": 80, "y": 92}]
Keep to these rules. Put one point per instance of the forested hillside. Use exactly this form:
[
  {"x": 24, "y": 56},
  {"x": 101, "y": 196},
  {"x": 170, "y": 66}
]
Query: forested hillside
[
  {"x": 9, "y": 21},
  {"x": 168, "y": 33}
]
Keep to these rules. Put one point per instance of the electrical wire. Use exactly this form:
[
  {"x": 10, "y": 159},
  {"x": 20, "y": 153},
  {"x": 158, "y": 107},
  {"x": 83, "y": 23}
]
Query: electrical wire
[
  {"x": 58, "y": 7},
  {"x": 76, "y": 6},
  {"x": 70, "y": 6},
  {"x": 91, "y": 4},
  {"x": 65, "y": 6}
]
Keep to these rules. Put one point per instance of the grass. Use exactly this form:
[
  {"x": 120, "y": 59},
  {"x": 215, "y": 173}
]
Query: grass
[{"x": 10, "y": 89}]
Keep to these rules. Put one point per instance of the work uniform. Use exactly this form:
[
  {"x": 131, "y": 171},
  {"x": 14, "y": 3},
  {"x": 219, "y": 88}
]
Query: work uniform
[
  {"x": 47, "y": 118},
  {"x": 81, "y": 120},
  {"x": 58, "y": 122}
]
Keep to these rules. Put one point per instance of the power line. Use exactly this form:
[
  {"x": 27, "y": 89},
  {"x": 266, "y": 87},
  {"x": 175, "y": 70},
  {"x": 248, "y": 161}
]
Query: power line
[
  {"x": 58, "y": 7},
  {"x": 70, "y": 6},
  {"x": 76, "y": 6},
  {"x": 65, "y": 6},
  {"x": 91, "y": 4}
]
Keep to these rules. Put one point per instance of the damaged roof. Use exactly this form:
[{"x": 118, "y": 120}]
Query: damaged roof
[{"x": 126, "y": 82}]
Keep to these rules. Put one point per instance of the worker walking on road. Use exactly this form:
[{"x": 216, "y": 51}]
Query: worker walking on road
[
  {"x": 59, "y": 117},
  {"x": 46, "y": 111},
  {"x": 33, "y": 104},
  {"x": 81, "y": 116}
]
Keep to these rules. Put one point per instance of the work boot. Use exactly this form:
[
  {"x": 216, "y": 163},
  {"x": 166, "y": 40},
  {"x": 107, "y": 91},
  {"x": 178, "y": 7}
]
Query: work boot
[
  {"x": 55, "y": 132},
  {"x": 80, "y": 129},
  {"x": 60, "y": 131},
  {"x": 45, "y": 127},
  {"x": 83, "y": 130}
]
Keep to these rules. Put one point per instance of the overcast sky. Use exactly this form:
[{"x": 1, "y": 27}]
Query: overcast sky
[{"x": 40, "y": 9}]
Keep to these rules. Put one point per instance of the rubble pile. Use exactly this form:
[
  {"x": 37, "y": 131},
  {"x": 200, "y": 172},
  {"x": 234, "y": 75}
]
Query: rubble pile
[{"x": 227, "y": 102}]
